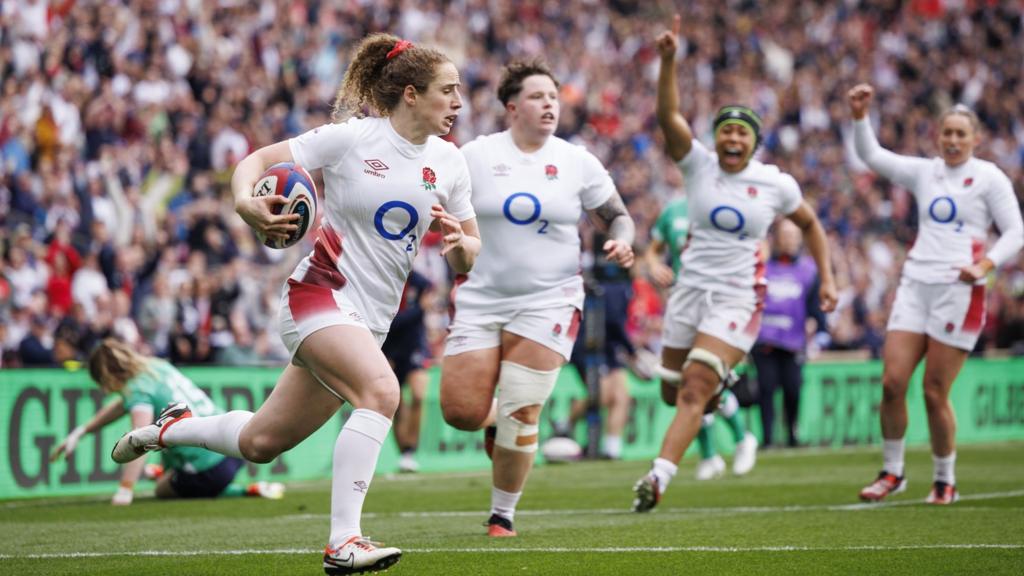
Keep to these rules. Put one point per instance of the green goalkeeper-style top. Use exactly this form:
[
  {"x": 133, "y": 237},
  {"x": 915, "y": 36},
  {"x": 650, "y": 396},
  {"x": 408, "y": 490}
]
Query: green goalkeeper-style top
[
  {"x": 671, "y": 228},
  {"x": 160, "y": 385}
]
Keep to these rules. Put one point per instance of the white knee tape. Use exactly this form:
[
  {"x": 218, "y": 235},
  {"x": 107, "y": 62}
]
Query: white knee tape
[
  {"x": 518, "y": 387},
  {"x": 709, "y": 359},
  {"x": 671, "y": 377}
]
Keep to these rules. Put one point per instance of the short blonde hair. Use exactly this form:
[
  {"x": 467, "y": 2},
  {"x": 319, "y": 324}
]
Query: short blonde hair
[{"x": 113, "y": 363}]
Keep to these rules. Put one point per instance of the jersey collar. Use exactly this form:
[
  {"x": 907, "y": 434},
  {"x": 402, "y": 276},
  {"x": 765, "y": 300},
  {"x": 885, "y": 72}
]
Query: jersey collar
[
  {"x": 404, "y": 147},
  {"x": 524, "y": 157}
]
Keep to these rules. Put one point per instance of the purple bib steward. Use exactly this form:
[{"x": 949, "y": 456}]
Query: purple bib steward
[{"x": 792, "y": 293}]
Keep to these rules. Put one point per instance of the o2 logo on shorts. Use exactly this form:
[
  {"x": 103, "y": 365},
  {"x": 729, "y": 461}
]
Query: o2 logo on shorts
[
  {"x": 414, "y": 219},
  {"x": 728, "y": 219},
  {"x": 943, "y": 210},
  {"x": 517, "y": 217}
]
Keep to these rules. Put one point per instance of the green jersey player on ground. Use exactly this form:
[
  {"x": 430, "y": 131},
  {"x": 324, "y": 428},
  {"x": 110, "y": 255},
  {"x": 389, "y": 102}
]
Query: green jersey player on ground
[
  {"x": 143, "y": 386},
  {"x": 671, "y": 231}
]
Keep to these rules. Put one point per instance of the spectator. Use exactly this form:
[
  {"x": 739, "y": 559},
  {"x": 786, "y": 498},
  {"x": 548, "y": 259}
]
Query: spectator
[
  {"x": 36, "y": 349},
  {"x": 89, "y": 284},
  {"x": 791, "y": 300}
]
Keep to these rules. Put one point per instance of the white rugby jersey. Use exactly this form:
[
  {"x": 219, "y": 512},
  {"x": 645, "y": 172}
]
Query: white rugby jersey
[
  {"x": 379, "y": 188},
  {"x": 956, "y": 207},
  {"x": 528, "y": 207},
  {"x": 729, "y": 218}
]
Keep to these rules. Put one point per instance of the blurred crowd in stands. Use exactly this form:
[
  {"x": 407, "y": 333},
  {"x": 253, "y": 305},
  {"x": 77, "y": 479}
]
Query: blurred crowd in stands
[{"x": 120, "y": 121}]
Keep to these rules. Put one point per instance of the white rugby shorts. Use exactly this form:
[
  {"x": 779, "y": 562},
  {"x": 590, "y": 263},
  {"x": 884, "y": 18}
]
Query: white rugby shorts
[
  {"x": 306, "y": 308},
  {"x": 553, "y": 324},
  {"x": 735, "y": 321},
  {"x": 953, "y": 314}
]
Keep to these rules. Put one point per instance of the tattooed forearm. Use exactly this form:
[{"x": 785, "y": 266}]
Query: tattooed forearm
[{"x": 613, "y": 218}]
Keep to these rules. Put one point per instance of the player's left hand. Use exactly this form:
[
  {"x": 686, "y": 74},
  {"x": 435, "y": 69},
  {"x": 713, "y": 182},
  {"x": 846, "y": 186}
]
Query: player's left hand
[
  {"x": 619, "y": 252},
  {"x": 829, "y": 296},
  {"x": 977, "y": 271},
  {"x": 448, "y": 226},
  {"x": 67, "y": 446}
]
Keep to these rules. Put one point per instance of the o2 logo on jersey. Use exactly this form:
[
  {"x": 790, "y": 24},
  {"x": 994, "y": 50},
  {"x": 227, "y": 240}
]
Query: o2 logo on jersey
[
  {"x": 414, "y": 219},
  {"x": 728, "y": 219},
  {"x": 942, "y": 210},
  {"x": 516, "y": 211}
]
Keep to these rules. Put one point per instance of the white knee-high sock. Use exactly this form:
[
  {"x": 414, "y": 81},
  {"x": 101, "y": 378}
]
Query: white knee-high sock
[
  {"x": 218, "y": 433},
  {"x": 945, "y": 468},
  {"x": 355, "y": 458},
  {"x": 613, "y": 446},
  {"x": 504, "y": 503},
  {"x": 664, "y": 470},
  {"x": 892, "y": 456}
]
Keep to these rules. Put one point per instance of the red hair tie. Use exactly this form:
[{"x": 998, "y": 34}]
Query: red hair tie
[{"x": 400, "y": 46}]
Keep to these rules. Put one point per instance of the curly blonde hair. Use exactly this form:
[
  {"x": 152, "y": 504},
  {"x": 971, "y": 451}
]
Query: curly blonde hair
[{"x": 375, "y": 82}]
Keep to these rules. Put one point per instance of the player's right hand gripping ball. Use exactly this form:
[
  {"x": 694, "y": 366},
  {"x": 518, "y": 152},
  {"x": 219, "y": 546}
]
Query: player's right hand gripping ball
[{"x": 292, "y": 182}]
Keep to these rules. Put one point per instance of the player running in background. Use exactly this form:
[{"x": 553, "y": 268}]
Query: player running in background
[
  {"x": 939, "y": 309},
  {"x": 407, "y": 352},
  {"x": 143, "y": 386},
  {"x": 517, "y": 315},
  {"x": 714, "y": 311},
  {"x": 670, "y": 232},
  {"x": 386, "y": 179},
  {"x": 616, "y": 287}
]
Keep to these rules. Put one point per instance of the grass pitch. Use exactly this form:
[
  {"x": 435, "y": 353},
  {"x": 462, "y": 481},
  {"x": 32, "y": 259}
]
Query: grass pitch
[{"x": 796, "y": 513}]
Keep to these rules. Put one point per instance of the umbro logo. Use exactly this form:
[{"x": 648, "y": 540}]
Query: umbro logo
[
  {"x": 360, "y": 486},
  {"x": 376, "y": 167},
  {"x": 502, "y": 169}
]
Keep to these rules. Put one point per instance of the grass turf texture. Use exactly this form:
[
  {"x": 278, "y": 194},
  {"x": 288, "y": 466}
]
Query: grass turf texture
[{"x": 796, "y": 513}]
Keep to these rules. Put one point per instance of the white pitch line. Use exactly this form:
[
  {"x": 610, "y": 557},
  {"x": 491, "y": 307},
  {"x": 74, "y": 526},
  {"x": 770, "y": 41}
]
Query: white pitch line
[
  {"x": 552, "y": 550},
  {"x": 675, "y": 510}
]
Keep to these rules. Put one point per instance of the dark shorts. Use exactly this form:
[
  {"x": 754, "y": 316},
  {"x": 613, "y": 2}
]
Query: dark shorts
[
  {"x": 208, "y": 483},
  {"x": 407, "y": 365},
  {"x": 616, "y": 343},
  {"x": 406, "y": 357}
]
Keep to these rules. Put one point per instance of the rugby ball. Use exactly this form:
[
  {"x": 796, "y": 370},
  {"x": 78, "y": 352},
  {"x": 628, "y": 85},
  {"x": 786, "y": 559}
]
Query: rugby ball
[
  {"x": 561, "y": 449},
  {"x": 292, "y": 182}
]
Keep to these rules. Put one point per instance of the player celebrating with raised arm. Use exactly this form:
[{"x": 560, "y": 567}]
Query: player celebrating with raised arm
[
  {"x": 386, "y": 178},
  {"x": 939, "y": 309},
  {"x": 671, "y": 231},
  {"x": 714, "y": 311},
  {"x": 516, "y": 316}
]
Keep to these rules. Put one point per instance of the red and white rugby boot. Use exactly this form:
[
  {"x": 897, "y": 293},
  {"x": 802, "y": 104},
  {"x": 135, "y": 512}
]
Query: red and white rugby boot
[
  {"x": 147, "y": 439},
  {"x": 883, "y": 486},
  {"x": 359, "y": 555},
  {"x": 499, "y": 527},
  {"x": 942, "y": 493}
]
